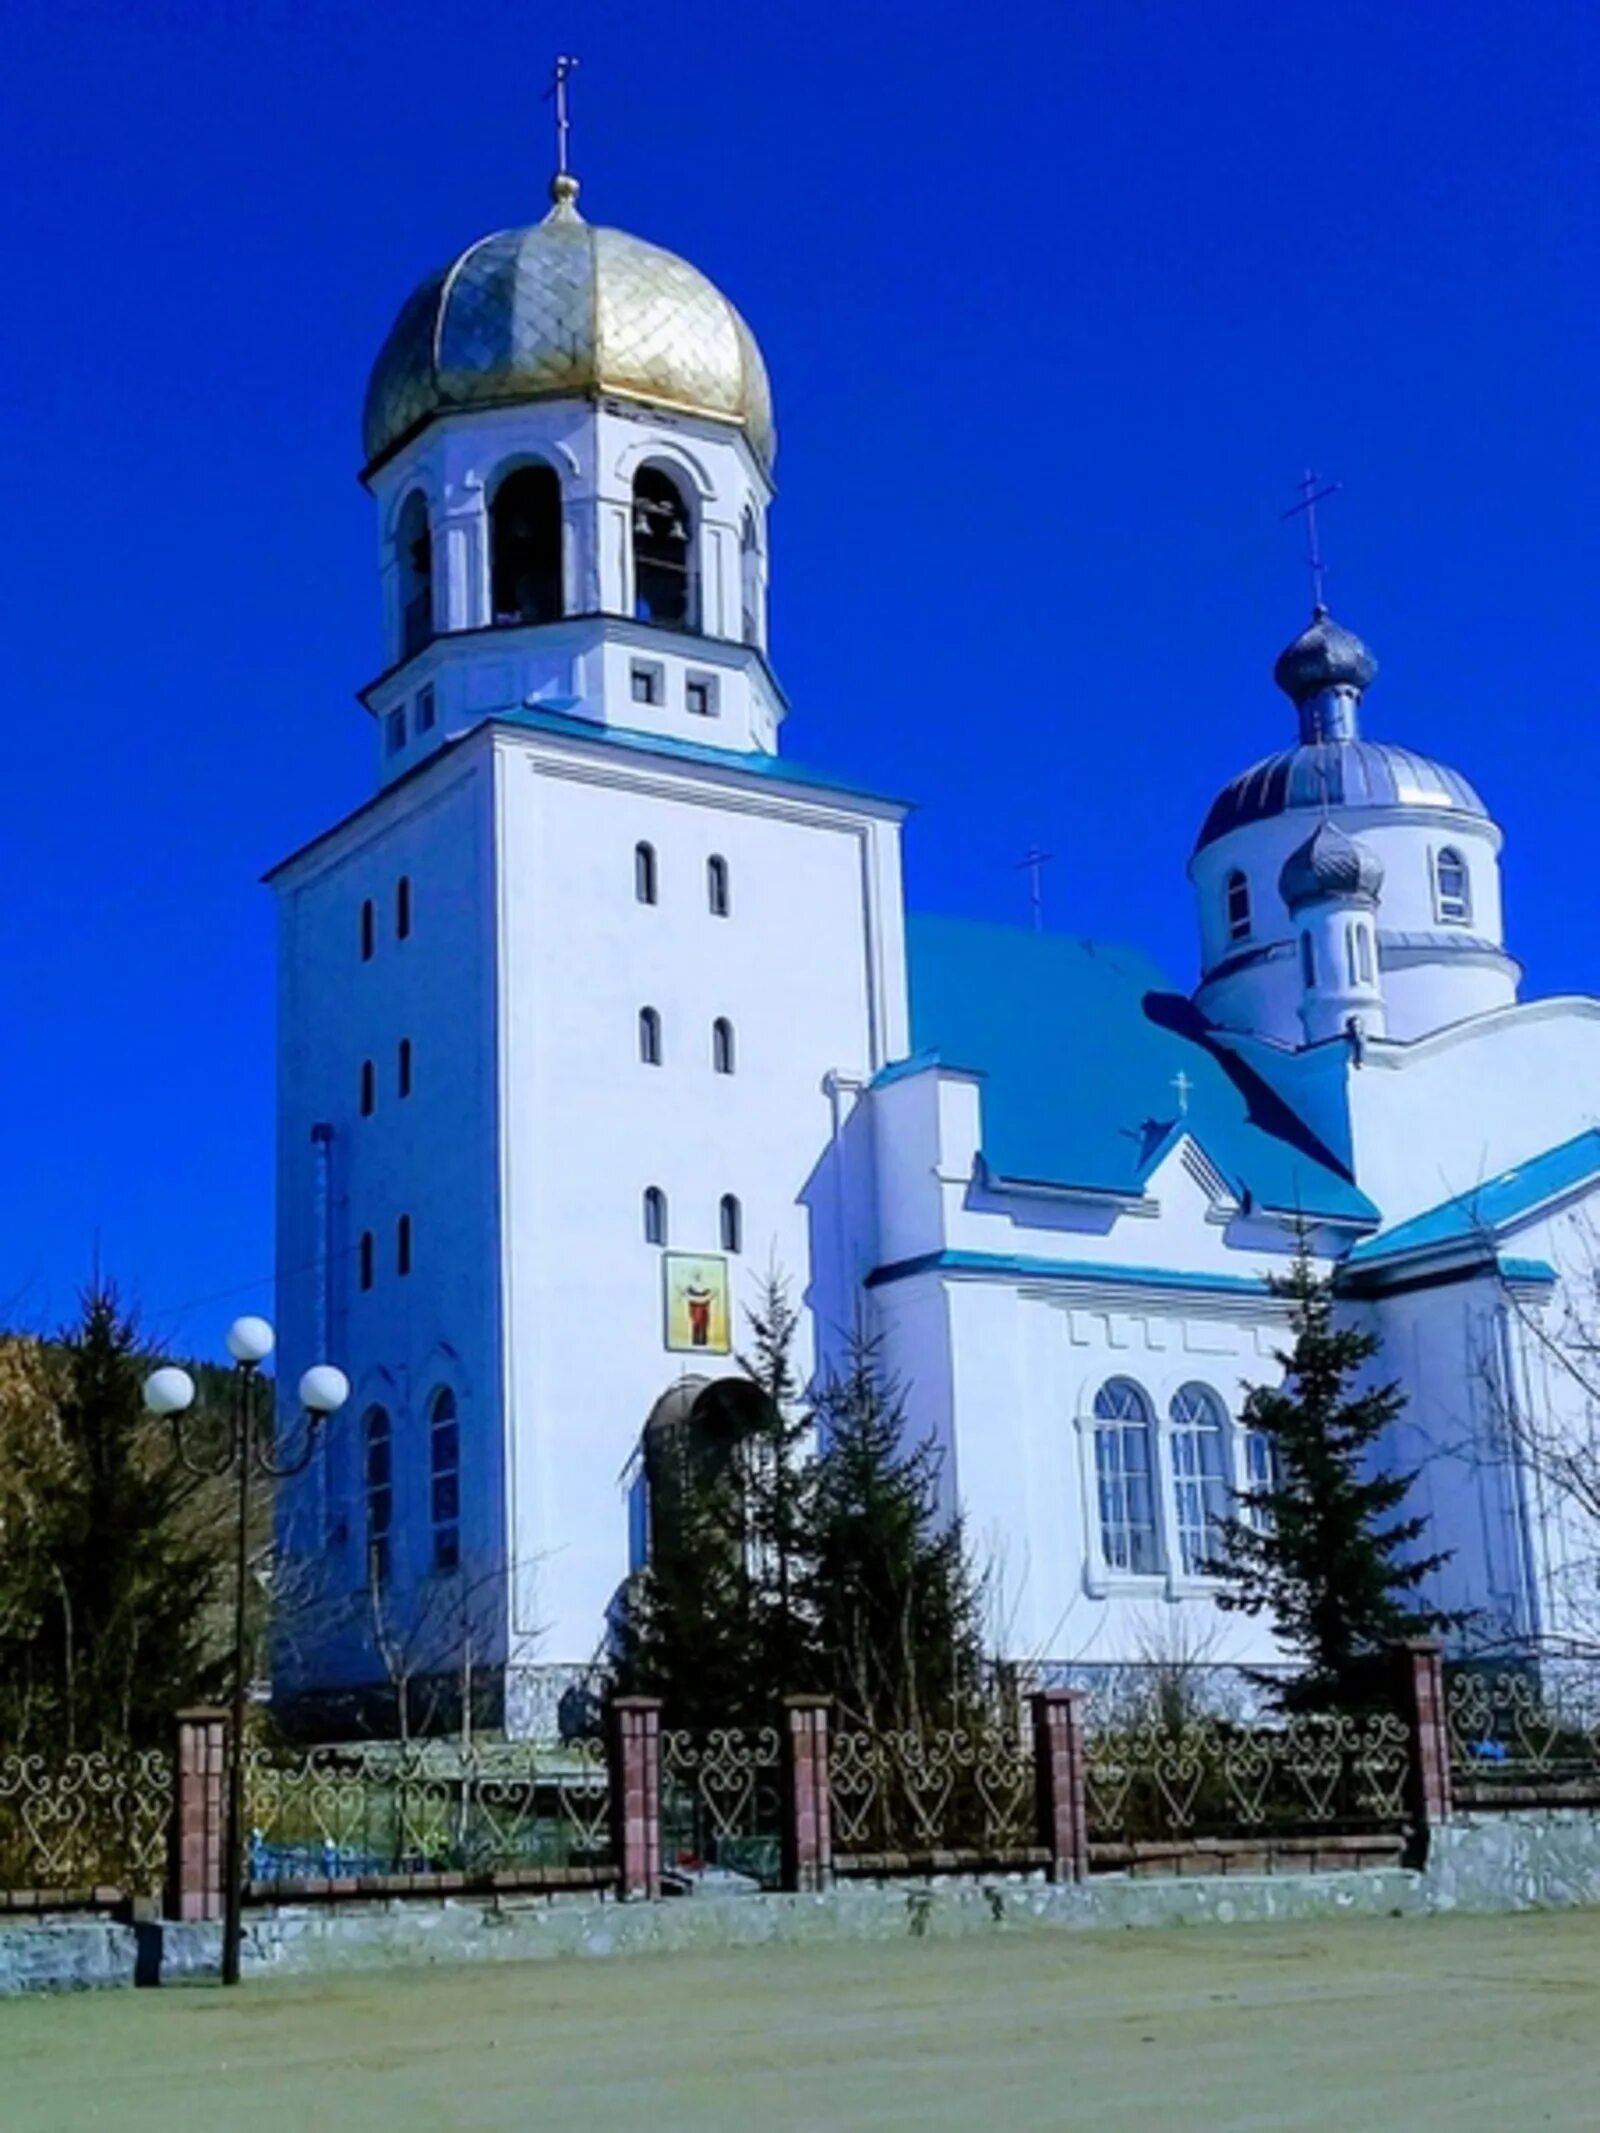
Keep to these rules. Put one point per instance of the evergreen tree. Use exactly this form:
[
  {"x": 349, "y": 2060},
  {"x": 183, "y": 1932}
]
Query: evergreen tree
[
  {"x": 896, "y": 1606},
  {"x": 1321, "y": 1550},
  {"x": 779, "y": 1484},
  {"x": 106, "y": 1573}
]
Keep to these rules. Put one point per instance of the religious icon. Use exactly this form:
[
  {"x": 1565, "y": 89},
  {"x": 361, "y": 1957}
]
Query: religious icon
[{"x": 699, "y": 1317}]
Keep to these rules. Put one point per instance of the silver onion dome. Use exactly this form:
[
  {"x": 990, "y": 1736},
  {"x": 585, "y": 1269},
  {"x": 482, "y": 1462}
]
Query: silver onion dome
[
  {"x": 1329, "y": 864},
  {"x": 565, "y": 307}
]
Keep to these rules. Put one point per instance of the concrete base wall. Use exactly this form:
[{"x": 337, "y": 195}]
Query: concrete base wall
[{"x": 1489, "y": 1863}]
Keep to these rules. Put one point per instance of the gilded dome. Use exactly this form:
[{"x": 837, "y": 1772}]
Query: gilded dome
[{"x": 567, "y": 307}]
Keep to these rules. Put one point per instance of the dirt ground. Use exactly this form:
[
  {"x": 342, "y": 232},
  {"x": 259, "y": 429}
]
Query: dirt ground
[{"x": 1360, "y": 2025}]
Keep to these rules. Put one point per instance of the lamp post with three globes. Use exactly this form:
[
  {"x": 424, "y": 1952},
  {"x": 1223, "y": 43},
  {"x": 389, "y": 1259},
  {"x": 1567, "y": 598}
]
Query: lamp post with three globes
[{"x": 246, "y": 1453}]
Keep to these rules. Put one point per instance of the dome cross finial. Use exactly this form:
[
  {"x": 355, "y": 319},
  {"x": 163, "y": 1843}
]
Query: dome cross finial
[
  {"x": 563, "y": 186},
  {"x": 1310, "y": 497}
]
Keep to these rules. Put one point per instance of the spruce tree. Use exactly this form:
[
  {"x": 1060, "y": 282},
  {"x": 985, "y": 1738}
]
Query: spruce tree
[
  {"x": 1325, "y": 1551},
  {"x": 895, "y": 1602}
]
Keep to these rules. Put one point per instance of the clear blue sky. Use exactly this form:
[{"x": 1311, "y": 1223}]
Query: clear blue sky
[{"x": 1058, "y": 299}]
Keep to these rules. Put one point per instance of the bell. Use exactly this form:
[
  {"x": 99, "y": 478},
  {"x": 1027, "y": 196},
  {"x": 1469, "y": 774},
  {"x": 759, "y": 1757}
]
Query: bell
[
  {"x": 677, "y": 530},
  {"x": 641, "y": 519}
]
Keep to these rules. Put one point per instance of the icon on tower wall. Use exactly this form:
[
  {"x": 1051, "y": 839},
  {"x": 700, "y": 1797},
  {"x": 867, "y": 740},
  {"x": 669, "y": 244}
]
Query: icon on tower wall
[{"x": 699, "y": 1316}]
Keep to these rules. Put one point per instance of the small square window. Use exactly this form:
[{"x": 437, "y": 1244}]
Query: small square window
[
  {"x": 700, "y": 695},
  {"x": 649, "y": 682},
  {"x": 394, "y": 730},
  {"x": 427, "y": 709}
]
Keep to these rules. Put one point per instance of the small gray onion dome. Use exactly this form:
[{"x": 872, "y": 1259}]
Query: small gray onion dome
[
  {"x": 1325, "y": 656},
  {"x": 1329, "y": 864}
]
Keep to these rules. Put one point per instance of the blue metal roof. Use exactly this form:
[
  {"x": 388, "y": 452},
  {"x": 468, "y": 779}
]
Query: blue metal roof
[
  {"x": 1081, "y": 1048},
  {"x": 1340, "y": 774},
  {"x": 1481, "y": 1215}
]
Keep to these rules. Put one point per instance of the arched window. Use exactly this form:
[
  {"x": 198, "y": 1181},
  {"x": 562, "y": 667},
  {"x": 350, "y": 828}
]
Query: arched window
[
  {"x": 649, "y": 1037},
  {"x": 730, "y": 1217},
  {"x": 364, "y": 1258},
  {"x": 722, "y": 1045},
  {"x": 369, "y": 1088},
  {"x": 750, "y": 578},
  {"x": 717, "y": 885},
  {"x": 402, "y": 908},
  {"x": 378, "y": 1480},
  {"x": 414, "y": 554},
  {"x": 369, "y": 930},
  {"x": 1124, "y": 1464},
  {"x": 1308, "y": 961},
  {"x": 403, "y": 1067},
  {"x": 1364, "y": 954},
  {"x": 444, "y": 1479},
  {"x": 1200, "y": 1474},
  {"x": 1238, "y": 907},
  {"x": 1452, "y": 888},
  {"x": 525, "y": 547},
  {"x": 655, "y": 1215},
  {"x": 1261, "y": 1475},
  {"x": 664, "y": 578},
  {"x": 402, "y": 1245},
  {"x": 1351, "y": 954},
  {"x": 644, "y": 873}
]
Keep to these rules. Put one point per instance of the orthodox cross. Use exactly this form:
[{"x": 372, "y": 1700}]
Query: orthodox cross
[
  {"x": 1182, "y": 1083},
  {"x": 1310, "y": 497},
  {"x": 557, "y": 92},
  {"x": 1035, "y": 861}
]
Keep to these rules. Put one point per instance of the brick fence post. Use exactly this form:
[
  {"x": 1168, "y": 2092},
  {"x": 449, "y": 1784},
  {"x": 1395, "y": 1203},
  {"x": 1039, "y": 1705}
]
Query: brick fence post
[
  {"x": 636, "y": 1795},
  {"x": 1062, "y": 1815},
  {"x": 1419, "y": 1669},
  {"x": 198, "y": 1807},
  {"x": 807, "y": 1806}
]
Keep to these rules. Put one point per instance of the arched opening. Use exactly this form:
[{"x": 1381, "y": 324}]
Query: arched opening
[
  {"x": 413, "y": 542},
  {"x": 1124, "y": 1461},
  {"x": 444, "y": 1479},
  {"x": 1200, "y": 1475},
  {"x": 655, "y": 1215},
  {"x": 525, "y": 547},
  {"x": 649, "y": 1037},
  {"x": 644, "y": 873},
  {"x": 750, "y": 579},
  {"x": 665, "y": 587},
  {"x": 717, "y": 895},
  {"x": 1238, "y": 907},
  {"x": 697, "y": 1449},
  {"x": 730, "y": 1220},
  {"x": 378, "y": 1479},
  {"x": 369, "y": 1088},
  {"x": 722, "y": 1059},
  {"x": 1452, "y": 887}
]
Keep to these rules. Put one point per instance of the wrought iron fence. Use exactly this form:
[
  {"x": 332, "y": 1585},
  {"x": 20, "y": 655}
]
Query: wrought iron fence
[
  {"x": 83, "y": 1824},
  {"x": 958, "y": 1793},
  {"x": 720, "y": 1801},
  {"x": 382, "y": 1808},
  {"x": 1202, "y": 1777},
  {"x": 1525, "y": 1729}
]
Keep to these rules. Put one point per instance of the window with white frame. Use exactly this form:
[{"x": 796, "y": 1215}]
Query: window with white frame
[
  {"x": 1124, "y": 1463},
  {"x": 1452, "y": 888},
  {"x": 1261, "y": 1475},
  {"x": 1201, "y": 1482},
  {"x": 1238, "y": 907}
]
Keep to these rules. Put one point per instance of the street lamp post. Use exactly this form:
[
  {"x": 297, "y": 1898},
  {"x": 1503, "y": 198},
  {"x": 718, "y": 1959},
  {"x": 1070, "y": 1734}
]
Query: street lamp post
[{"x": 245, "y": 1453}]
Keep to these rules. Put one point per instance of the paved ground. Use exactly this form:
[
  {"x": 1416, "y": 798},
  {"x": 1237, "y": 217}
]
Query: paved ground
[{"x": 1362, "y": 2025}]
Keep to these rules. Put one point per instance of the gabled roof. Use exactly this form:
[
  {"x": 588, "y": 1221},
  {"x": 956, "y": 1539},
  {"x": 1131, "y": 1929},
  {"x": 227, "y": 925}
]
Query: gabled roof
[
  {"x": 1092, "y": 1068},
  {"x": 1484, "y": 1214}
]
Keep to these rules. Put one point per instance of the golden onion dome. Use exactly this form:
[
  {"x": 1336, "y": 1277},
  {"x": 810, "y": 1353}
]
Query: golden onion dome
[{"x": 566, "y": 307}]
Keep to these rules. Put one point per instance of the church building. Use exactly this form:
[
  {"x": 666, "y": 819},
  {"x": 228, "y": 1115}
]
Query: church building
[{"x": 604, "y": 1004}]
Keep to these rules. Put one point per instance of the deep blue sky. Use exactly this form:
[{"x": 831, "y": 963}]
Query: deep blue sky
[{"x": 1058, "y": 299}]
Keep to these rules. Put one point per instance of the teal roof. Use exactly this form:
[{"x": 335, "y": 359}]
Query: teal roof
[
  {"x": 1489, "y": 1209},
  {"x": 1092, "y": 1068},
  {"x": 1012, "y": 1266}
]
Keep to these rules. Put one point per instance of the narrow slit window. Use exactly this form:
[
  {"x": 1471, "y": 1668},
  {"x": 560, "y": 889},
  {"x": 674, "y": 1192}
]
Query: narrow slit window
[
  {"x": 444, "y": 1480},
  {"x": 369, "y": 1088},
  {"x": 1308, "y": 961},
  {"x": 717, "y": 891},
  {"x": 649, "y": 1037},
  {"x": 402, "y": 1245},
  {"x": 403, "y": 1067},
  {"x": 1364, "y": 953},
  {"x": 369, "y": 930},
  {"x": 644, "y": 873},
  {"x": 722, "y": 1048},
  {"x": 364, "y": 1257},
  {"x": 655, "y": 1215},
  {"x": 731, "y": 1223},
  {"x": 402, "y": 908},
  {"x": 378, "y": 1483}
]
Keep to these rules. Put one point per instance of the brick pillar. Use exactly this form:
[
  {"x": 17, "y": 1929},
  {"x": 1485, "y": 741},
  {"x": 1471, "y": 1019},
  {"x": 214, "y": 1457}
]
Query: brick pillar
[
  {"x": 1058, "y": 1769},
  {"x": 1420, "y": 1701},
  {"x": 807, "y": 1806},
  {"x": 199, "y": 1805},
  {"x": 636, "y": 1795}
]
